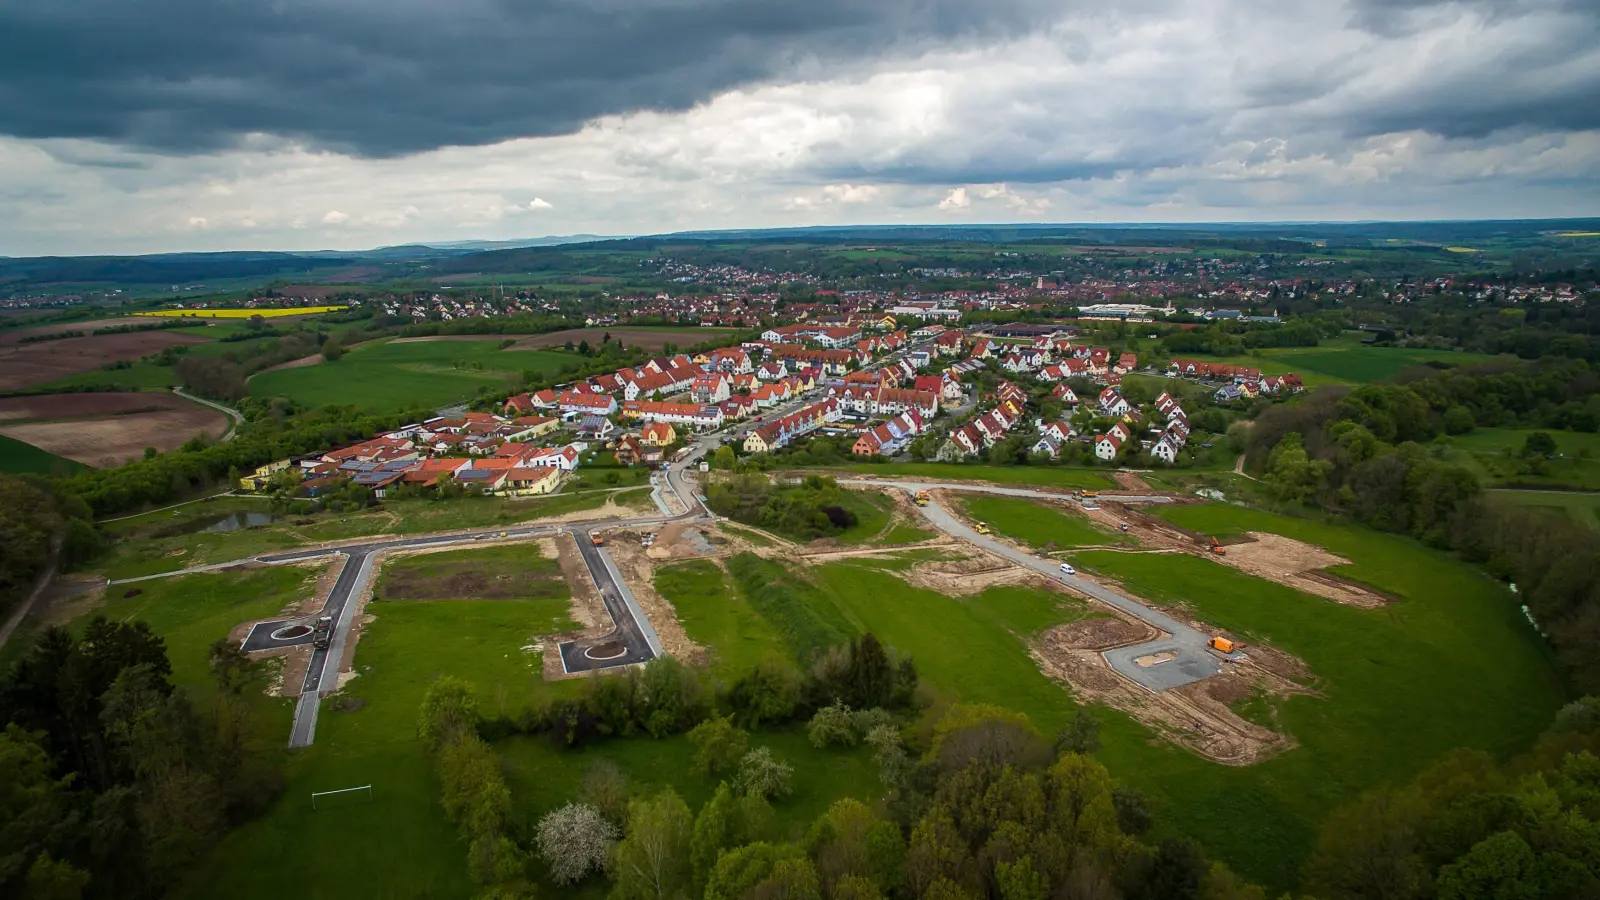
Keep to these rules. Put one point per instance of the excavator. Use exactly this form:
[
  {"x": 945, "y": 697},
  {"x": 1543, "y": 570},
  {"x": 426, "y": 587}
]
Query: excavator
[{"x": 1217, "y": 548}]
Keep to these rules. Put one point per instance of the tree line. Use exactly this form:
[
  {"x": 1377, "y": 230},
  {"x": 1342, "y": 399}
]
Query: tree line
[
  {"x": 1370, "y": 453},
  {"x": 978, "y": 805},
  {"x": 38, "y": 521},
  {"x": 1470, "y": 826},
  {"x": 114, "y": 782}
]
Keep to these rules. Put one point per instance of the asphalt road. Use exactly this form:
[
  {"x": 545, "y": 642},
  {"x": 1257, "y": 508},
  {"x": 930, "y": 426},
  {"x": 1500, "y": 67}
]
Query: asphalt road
[{"x": 1191, "y": 660}]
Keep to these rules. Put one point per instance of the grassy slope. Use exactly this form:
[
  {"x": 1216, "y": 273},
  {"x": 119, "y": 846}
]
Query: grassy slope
[
  {"x": 1581, "y": 508},
  {"x": 1494, "y": 453},
  {"x": 19, "y": 457},
  {"x": 1040, "y": 475},
  {"x": 1392, "y": 678},
  {"x": 397, "y": 844},
  {"x": 1038, "y": 524},
  {"x": 717, "y": 617},
  {"x": 388, "y": 376}
]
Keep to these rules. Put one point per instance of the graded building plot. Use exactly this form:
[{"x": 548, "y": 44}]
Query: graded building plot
[{"x": 28, "y": 365}]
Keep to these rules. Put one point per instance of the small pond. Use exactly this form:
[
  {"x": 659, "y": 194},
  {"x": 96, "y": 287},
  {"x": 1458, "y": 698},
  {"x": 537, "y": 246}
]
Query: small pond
[{"x": 235, "y": 522}]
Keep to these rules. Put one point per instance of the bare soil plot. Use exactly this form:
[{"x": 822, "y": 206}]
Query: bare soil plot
[
  {"x": 648, "y": 338},
  {"x": 72, "y": 406},
  {"x": 26, "y": 365},
  {"x": 1198, "y": 716},
  {"x": 113, "y": 440}
]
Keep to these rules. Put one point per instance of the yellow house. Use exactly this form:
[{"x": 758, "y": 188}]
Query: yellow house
[
  {"x": 702, "y": 359},
  {"x": 756, "y": 443},
  {"x": 658, "y": 434},
  {"x": 259, "y": 479},
  {"x": 887, "y": 322},
  {"x": 534, "y": 426},
  {"x": 530, "y": 481}
]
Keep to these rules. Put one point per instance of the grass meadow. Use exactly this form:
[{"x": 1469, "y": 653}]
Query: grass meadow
[
  {"x": 1582, "y": 508},
  {"x": 397, "y": 843},
  {"x": 387, "y": 376},
  {"x": 1390, "y": 682},
  {"x": 1043, "y": 476},
  {"x": 21, "y": 458},
  {"x": 1038, "y": 524}
]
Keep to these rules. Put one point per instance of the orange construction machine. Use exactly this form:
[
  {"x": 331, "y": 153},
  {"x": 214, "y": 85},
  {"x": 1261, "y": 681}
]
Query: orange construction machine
[
  {"x": 1217, "y": 548},
  {"x": 597, "y": 538},
  {"x": 1220, "y": 644}
]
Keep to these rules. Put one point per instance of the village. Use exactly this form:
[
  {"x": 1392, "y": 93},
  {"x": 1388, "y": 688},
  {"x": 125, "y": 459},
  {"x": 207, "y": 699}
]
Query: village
[{"x": 853, "y": 378}]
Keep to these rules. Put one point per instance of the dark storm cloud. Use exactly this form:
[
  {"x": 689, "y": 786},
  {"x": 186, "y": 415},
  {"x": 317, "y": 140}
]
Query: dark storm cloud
[{"x": 387, "y": 78}]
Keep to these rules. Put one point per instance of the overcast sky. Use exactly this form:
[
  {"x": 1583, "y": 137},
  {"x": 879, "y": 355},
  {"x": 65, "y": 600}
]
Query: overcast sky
[{"x": 132, "y": 126}]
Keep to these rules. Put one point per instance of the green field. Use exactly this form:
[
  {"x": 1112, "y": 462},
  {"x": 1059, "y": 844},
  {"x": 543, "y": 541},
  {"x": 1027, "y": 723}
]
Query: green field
[
  {"x": 19, "y": 458},
  {"x": 387, "y": 376},
  {"x": 508, "y": 572},
  {"x": 718, "y": 617},
  {"x": 1583, "y": 508},
  {"x": 1037, "y": 523},
  {"x": 1390, "y": 678},
  {"x": 1046, "y": 476},
  {"x": 1341, "y": 360},
  {"x": 1495, "y": 455},
  {"x": 873, "y": 511},
  {"x": 167, "y": 541},
  {"x": 397, "y": 844}
]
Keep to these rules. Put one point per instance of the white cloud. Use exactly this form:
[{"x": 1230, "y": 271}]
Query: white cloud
[{"x": 1226, "y": 110}]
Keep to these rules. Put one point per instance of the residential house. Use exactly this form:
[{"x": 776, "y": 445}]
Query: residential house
[
  {"x": 1108, "y": 445},
  {"x": 707, "y": 389},
  {"x": 678, "y": 413},
  {"x": 658, "y": 434},
  {"x": 1065, "y": 394},
  {"x": 586, "y": 403},
  {"x": 524, "y": 427},
  {"x": 1112, "y": 403}
]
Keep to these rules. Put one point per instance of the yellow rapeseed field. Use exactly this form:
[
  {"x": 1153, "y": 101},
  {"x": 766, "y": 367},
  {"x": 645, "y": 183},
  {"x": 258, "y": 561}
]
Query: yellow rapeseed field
[{"x": 240, "y": 313}]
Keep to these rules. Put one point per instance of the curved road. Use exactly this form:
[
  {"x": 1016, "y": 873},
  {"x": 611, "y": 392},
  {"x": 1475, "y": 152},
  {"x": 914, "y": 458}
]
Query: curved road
[{"x": 230, "y": 412}]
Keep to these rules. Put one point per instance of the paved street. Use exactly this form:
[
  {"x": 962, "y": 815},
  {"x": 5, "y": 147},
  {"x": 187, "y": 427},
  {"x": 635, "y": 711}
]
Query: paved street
[{"x": 1191, "y": 660}]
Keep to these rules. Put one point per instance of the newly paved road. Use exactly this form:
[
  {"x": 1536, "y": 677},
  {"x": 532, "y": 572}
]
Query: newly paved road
[{"x": 1191, "y": 660}]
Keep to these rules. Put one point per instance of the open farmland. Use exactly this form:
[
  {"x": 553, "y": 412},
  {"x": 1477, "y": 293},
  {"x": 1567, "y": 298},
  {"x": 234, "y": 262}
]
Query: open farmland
[
  {"x": 390, "y": 375},
  {"x": 28, "y": 365},
  {"x": 652, "y": 339},
  {"x": 88, "y": 326},
  {"x": 243, "y": 313},
  {"x": 106, "y": 429}
]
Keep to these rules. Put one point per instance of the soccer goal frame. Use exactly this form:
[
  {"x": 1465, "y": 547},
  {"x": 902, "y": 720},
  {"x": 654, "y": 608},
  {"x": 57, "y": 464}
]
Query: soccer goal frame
[{"x": 348, "y": 790}]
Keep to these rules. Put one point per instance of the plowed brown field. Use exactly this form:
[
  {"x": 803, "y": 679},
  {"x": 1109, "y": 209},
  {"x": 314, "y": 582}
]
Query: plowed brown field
[{"x": 26, "y": 365}]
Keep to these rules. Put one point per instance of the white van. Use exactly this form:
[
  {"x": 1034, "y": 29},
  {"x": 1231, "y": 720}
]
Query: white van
[{"x": 1068, "y": 570}]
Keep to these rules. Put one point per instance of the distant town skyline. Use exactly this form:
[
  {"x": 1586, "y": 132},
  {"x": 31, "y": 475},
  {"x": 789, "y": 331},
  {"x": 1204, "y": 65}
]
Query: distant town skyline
[{"x": 333, "y": 125}]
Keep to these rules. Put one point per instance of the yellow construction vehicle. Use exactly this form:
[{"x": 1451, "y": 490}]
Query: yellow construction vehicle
[
  {"x": 597, "y": 538},
  {"x": 982, "y": 528},
  {"x": 1220, "y": 644},
  {"x": 923, "y": 497}
]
